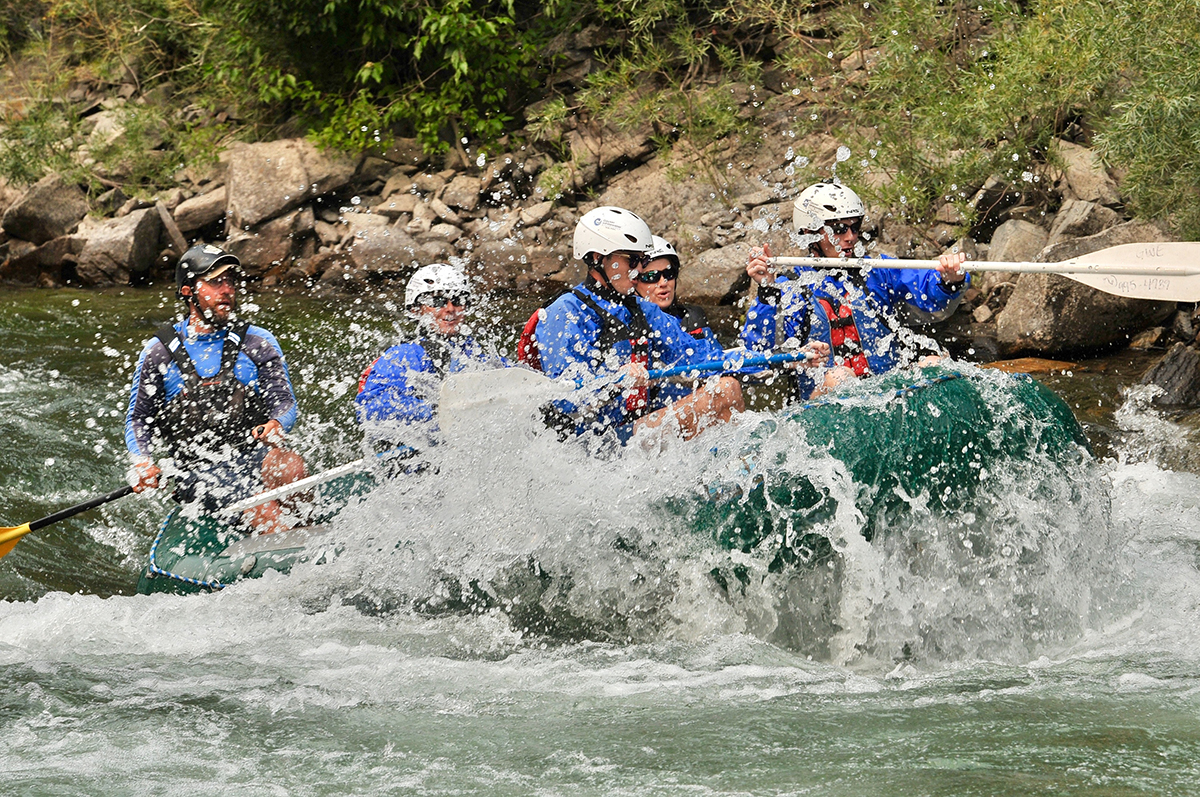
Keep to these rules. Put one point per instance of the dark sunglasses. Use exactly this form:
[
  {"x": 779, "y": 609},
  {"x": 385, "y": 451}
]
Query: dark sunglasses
[
  {"x": 637, "y": 260},
  {"x": 840, "y": 229},
  {"x": 651, "y": 277},
  {"x": 442, "y": 299}
]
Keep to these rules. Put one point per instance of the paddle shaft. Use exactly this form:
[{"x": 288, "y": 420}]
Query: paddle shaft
[
  {"x": 1065, "y": 268},
  {"x": 15, "y": 533},
  {"x": 312, "y": 481},
  {"x": 1163, "y": 271},
  {"x": 728, "y": 364}
]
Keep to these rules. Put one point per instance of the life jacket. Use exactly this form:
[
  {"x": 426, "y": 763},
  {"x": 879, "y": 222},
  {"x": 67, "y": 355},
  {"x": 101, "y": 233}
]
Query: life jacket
[
  {"x": 210, "y": 413},
  {"x": 612, "y": 330},
  {"x": 843, "y": 336},
  {"x": 691, "y": 318}
]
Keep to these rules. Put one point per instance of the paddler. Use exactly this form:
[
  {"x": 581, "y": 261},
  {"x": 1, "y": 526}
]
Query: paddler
[
  {"x": 854, "y": 313},
  {"x": 214, "y": 391},
  {"x": 397, "y": 394},
  {"x": 602, "y": 333},
  {"x": 657, "y": 283}
]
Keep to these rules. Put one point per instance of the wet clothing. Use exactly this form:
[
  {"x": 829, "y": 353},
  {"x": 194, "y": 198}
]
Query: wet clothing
[
  {"x": 587, "y": 334},
  {"x": 200, "y": 395},
  {"x": 856, "y": 314},
  {"x": 404, "y": 382}
]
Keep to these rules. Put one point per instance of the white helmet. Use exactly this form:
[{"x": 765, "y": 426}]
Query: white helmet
[
  {"x": 825, "y": 202},
  {"x": 607, "y": 229},
  {"x": 662, "y": 248},
  {"x": 434, "y": 278}
]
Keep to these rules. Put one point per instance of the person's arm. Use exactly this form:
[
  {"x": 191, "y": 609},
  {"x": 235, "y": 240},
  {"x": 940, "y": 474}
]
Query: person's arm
[
  {"x": 146, "y": 396},
  {"x": 272, "y": 381},
  {"x": 930, "y": 290}
]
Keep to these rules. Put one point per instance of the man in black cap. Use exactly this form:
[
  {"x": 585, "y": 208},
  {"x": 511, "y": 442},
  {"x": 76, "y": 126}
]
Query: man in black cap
[{"x": 216, "y": 392}]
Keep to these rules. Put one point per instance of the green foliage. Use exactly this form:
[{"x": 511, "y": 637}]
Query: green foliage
[
  {"x": 37, "y": 142},
  {"x": 954, "y": 91}
]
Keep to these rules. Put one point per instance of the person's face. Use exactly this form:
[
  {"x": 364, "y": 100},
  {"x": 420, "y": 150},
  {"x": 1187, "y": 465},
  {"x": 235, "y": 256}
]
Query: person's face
[
  {"x": 621, "y": 268},
  {"x": 215, "y": 298},
  {"x": 443, "y": 312},
  {"x": 838, "y": 238},
  {"x": 656, "y": 282}
]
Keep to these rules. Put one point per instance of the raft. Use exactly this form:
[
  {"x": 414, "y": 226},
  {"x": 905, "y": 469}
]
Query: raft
[
  {"x": 936, "y": 438},
  {"x": 203, "y": 553}
]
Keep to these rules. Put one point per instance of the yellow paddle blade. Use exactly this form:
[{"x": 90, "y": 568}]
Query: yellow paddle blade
[{"x": 10, "y": 537}]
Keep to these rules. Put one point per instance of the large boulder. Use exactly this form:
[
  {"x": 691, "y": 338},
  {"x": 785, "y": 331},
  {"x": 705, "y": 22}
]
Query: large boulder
[
  {"x": 385, "y": 250},
  {"x": 200, "y": 211},
  {"x": 51, "y": 208},
  {"x": 119, "y": 248},
  {"x": 44, "y": 264},
  {"x": 269, "y": 179},
  {"x": 274, "y": 246},
  {"x": 1051, "y": 315}
]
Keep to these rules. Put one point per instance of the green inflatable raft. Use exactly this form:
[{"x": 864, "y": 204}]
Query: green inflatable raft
[
  {"x": 203, "y": 553},
  {"x": 933, "y": 437}
]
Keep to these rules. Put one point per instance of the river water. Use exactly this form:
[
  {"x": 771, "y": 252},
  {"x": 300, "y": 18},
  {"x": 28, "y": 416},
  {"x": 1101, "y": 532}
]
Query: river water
[{"x": 1075, "y": 672}]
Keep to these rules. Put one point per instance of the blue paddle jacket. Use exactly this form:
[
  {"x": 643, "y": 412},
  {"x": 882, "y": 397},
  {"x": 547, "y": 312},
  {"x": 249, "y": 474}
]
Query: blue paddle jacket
[
  {"x": 157, "y": 379},
  {"x": 568, "y": 340},
  {"x": 404, "y": 382},
  {"x": 874, "y": 303}
]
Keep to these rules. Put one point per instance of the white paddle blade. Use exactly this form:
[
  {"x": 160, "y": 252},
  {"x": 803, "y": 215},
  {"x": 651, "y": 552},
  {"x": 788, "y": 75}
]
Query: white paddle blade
[
  {"x": 502, "y": 398},
  {"x": 1163, "y": 271}
]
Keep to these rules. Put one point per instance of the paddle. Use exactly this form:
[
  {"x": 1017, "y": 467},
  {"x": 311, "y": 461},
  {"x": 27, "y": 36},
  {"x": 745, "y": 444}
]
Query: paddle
[
  {"x": 9, "y": 537},
  {"x": 1163, "y": 271},
  {"x": 312, "y": 481}
]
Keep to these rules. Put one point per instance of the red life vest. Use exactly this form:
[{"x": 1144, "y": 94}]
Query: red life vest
[{"x": 843, "y": 337}]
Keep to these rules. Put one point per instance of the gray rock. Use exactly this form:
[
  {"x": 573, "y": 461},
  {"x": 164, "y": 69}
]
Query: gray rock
[
  {"x": 271, "y": 178},
  {"x": 50, "y": 209},
  {"x": 536, "y": 214},
  {"x": 462, "y": 193},
  {"x": 1085, "y": 174},
  {"x": 498, "y": 264},
  {"x": 387, "y": 251},
  {"x": 1017, "y": 241},
  {"x": 274, "y": 246},
  {"x": 119, "y": 248},
  {"x": 396, "y": 205},
  {"x": 201, "y": 210},
  {"x": 440, "y": 232},
  {"x": 33, "y": 267},
  {"x": 428, "y": 183},
  {"x": 1131, "y": 232},
  {"x": 1178, "y": 374},
  {"x": 1077, "y": 218},
  {"x": 711, "y": 276}
]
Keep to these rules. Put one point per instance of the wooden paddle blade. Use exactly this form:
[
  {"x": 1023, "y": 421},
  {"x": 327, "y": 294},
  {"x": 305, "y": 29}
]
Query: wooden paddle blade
[{"x": 10, "y": 537}]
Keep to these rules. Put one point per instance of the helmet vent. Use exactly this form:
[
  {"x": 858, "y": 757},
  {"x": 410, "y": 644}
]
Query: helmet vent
[{"x": 632, "y": 239}]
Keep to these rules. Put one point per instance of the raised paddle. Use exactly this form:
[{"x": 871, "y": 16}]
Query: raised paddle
[
  {"x": 9, "y": 537},
  {"x": 319, "y": 478},
  {"x": 1163, "y": 271}
]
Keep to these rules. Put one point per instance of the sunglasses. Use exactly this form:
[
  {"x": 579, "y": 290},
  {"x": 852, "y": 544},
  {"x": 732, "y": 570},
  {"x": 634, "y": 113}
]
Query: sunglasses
[
  {"x": 651, "y": 277},
  {"x": 637, "y": 260},
  {"x": 439, "y": 300},
  {"x": 840, "y": 228}
]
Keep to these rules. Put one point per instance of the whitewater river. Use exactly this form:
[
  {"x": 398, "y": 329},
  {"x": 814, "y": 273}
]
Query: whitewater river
[{"x": 1071, "y": 669}]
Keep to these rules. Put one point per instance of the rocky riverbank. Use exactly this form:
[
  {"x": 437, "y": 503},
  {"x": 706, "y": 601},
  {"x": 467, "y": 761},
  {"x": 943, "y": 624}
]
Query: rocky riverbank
[{"x": 336, "y": 224}]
